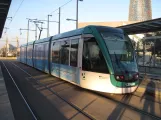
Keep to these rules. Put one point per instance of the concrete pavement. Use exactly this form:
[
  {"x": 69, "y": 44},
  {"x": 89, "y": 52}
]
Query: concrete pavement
[{"x": 5, "y": 106}]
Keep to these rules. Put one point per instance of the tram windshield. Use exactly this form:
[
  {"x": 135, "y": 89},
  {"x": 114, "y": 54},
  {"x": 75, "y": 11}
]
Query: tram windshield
[{"x": 121, "y": 52}]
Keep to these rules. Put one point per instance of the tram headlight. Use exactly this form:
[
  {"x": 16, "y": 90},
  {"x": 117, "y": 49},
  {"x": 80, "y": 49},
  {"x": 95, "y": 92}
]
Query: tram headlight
[
  {"x": 117, "y": 77},
  {"x": 120, "y": 77},
  {"x": 136, "y": 76}
]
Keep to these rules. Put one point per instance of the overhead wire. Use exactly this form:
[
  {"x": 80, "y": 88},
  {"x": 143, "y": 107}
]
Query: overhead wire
[
  {"x": 21, "y": 5},
  {"x": 17, "y": 9},
  {"x": 61, "y": 6},
  {"x": 15, "y": 13}
]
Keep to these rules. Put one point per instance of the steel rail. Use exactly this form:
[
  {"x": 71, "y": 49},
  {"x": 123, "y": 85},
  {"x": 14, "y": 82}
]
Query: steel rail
[
  {"x": 117, "y": 101},
  {"x": 28, "y": 106},
  {"x": 74, "y": 106}
]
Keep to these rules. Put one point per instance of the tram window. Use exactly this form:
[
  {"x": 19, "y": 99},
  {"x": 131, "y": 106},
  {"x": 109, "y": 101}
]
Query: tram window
[
  {"x": 39, "y": 51},
  {"x": 92, "y": 59},
  {"x": 64, "y": 52},
  {"x": 74, "y": 53},
  {"x": 29, "y": 53},
  {"x": 36, "y": 53},
  {"x": 55, "y": 52},
  {"x": 46, "y": 51}
]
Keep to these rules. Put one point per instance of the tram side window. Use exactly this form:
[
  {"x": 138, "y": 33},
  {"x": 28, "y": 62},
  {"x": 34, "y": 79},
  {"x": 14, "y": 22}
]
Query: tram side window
[
  {"x": 74, "y": 53},
  {"x": 42, "y": 51},
  {"x": 92, "y": 59},
  {"x": 36, "y": 52},
  {"x": 55, "y": 52},
  {"x": 64, "y": 52},
  {"x": 39, "y": 52},
  {"x": 46, "y": 51},
  {"x": 29, "y": 53}
]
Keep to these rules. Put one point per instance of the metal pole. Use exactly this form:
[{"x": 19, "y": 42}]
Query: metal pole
[
  {"x": 27, "y": 37},
  {"x": 154, "y": 53},
  {"x": 6, "y": 46},
  {"x": 17, "y": 46},
  {"x": 35, "y": 31},
  {"x": 143, "y": 53},
  {"x": 28, "y": 31},
  {"x": 48, "y": 27},
  {"x": 77, "y": 15},
  {"x": 28, "y": 28},
  {"x": 137, "y": 49},
  {"x": 59, "y": 22}
]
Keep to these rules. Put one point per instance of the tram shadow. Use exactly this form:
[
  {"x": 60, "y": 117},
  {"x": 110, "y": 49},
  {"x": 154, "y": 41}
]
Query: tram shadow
[
  {"x": 118, "y": 112},
  {"x": 148, "y": 105}
]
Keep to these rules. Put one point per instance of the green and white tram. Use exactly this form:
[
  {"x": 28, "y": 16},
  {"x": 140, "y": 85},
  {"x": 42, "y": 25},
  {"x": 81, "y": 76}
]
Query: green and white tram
[{"x": 94, "y": 57}]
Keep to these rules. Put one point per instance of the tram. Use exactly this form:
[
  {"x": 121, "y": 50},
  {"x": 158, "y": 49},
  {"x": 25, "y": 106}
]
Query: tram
[{"x": 98, "y": 58}]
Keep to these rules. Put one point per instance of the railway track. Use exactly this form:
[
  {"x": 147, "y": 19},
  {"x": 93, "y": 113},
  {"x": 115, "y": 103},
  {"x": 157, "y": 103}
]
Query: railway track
[
  {"x": 21, "y": 94},
  {"x": 55, "y": 93},
  {"x": 81, "y": 110}
]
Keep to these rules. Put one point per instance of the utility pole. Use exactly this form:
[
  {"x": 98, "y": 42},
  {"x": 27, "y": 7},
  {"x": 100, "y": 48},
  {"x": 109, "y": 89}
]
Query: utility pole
[
  {"x": 28, "y": 28},
  {"x": 35, "y": 31},
  {"x": 59, "y": 21},
  {"x": 6, "y": 46},
  {"x": 48, "y": 25},
  {"x": 77, "y": 14},
  {"x": 76, "y": 20},
  {"x": 17, "y": 46}
]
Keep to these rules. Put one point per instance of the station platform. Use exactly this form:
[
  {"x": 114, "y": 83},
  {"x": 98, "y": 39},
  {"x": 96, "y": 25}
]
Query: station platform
[
  {"x": 53, "y": 98},
  {"x": 6, "y": 112}
]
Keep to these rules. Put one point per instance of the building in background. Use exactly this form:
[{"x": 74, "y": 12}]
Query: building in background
[
  {"x": 111, "y": 24},
  {"x": 140, "y": 10}
]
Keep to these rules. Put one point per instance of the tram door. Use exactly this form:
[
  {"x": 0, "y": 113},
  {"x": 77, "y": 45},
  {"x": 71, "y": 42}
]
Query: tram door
[
  {"x": 43, "y": 57},
  {"x": 94, "y": 71},
  {"x": 46, "y": 57}
]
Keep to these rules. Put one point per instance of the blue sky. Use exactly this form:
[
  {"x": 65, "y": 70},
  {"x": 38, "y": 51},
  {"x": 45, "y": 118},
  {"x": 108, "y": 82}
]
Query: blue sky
[{"x": 89, "y": 10}]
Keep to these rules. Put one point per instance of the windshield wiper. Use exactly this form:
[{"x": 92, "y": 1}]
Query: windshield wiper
[{"x": 118, "y": 62}]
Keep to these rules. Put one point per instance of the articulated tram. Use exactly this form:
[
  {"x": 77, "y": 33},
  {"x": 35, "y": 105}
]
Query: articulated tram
[{"x": 94, "y": 57}]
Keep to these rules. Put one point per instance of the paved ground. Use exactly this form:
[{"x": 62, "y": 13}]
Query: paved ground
[
  {"x": 41, "y": 107},
  {"x": 152, "y": 84},
  {"x": 5, "y": 106},
  {"x": 44, "y": 94}
]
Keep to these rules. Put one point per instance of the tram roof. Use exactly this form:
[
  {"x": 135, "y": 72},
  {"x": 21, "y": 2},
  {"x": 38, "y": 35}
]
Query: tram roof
[
  {"x": 4, "y": 8},
  {"x": 153, "y": 25},
  {"x": 23, "y": 45},
  {"x": 68, "y": 34},
  {"x": 85, "y": 30},
  {"x": 80, "y": 31},
  {"x": 31, "y": 43},
  {"x": 42, "y": 40}
]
